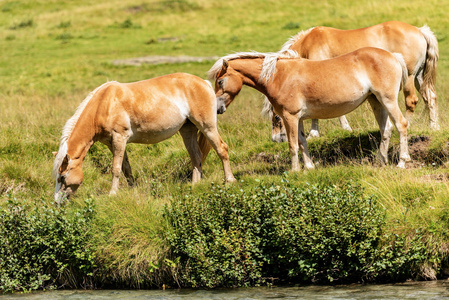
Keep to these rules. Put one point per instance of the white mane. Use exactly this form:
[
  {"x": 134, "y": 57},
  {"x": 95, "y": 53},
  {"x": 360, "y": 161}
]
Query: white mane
[{"x": 68, "y": 128}]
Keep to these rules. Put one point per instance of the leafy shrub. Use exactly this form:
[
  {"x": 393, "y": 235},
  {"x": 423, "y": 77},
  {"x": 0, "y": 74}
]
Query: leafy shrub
[
  {"x": 43, "y": 245},
  {"x": 231, "y": 237},
  {"x": 217, "y": 238}
]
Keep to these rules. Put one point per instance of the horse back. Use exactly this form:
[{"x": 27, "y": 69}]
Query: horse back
[
  {"x": 394, "y": 36},
  {"x": 160, "y": 104}
]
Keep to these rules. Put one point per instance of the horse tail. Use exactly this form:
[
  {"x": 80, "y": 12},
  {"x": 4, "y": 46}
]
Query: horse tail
[
  {"x": 430, "y": 70},
  {"x": 401, "y": 61}
]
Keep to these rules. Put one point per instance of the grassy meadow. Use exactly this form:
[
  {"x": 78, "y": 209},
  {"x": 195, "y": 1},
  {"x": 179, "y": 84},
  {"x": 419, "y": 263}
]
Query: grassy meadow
[{"x": 53, "y": 53}]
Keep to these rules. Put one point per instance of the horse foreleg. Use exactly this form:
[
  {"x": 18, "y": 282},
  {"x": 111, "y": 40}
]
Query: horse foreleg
[
  {"x": 385, "y": 128},
  {"x": 308, "y": 163},
  {"x": 126, "y": 167},
  {"x": 118, "y": 152},
  {"x": 291, "y": 125},
  {"x": 189, "y": 137}
]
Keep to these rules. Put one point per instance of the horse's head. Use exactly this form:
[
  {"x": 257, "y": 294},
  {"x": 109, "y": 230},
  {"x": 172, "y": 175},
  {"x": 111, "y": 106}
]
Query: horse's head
[
  {"x": 278, "y": 132},
  {"x": 68, "y": 178},
  {"x": 228, "y": 84}
]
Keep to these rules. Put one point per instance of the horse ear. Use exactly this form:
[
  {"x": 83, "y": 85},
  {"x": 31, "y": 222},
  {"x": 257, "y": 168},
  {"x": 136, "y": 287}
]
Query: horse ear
[
  {"x": 225, "y": 65},
  {"x": 55, "y": 153},
  {"x": 64, "y": 164}
]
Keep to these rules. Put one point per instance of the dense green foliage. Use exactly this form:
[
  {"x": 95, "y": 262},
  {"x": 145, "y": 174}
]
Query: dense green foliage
[
  {"x": 43, "y": 246},
  {"x": 230, "y": 237}
]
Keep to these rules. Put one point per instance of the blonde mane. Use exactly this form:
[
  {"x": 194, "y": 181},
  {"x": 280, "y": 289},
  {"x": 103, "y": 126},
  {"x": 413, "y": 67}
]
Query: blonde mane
[
  {"x": 269, "y": 63},
  {"x": 268, "y": 66},
  {"x": 68, "y": 128},
  {"x": 288, "y": 44},
  {"x": 213, "y": 72}
]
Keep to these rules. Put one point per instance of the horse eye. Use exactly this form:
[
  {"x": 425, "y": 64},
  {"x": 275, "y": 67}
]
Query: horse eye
[{"x": 220, "y": 83}]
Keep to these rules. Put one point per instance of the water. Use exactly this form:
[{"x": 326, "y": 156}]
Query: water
[{"x": 412, "y": 290}]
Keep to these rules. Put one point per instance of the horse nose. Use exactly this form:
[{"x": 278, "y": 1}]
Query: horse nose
[
  {"x": 279, "y": 138},
  {"x": 221, "y": 109}
]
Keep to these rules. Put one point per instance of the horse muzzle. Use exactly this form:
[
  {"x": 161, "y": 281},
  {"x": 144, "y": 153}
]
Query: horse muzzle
[
  {"x": 60, "y": 197},
  {"x": 221, "y": 109}
]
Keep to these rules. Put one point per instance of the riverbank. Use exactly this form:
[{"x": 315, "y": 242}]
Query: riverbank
[{"x": 56, "y": 53}]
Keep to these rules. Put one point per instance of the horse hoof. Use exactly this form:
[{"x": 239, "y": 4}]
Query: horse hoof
[
  {"x": 435, "y": 126},
  {"x": 401, "y": 164},
  {"x": 231, "y": 180},
  {"x": 313, "y": 134}
]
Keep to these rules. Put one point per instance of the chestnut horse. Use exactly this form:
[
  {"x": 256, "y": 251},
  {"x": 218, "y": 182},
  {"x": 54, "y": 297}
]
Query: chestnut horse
[
  {"x": 301, "y": 89},
  {"x": 418, "y": 46},
  {"x": 145, "y": 112}
]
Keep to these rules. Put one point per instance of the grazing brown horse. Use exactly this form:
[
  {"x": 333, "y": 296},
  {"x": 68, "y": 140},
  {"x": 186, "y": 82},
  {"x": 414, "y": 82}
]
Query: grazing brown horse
[
  {"x": 302, "y": 89},
  {"x": 418, "y": 46},
  {"x": 145, "y": 112}
]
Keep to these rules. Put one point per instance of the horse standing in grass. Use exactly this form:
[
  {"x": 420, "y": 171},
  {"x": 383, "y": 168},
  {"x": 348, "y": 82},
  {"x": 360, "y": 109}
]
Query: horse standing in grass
[
  {"x": 300, "y": 89},
  {"x": 145, "y": 112},
  {"x": 418, "y": 46}
]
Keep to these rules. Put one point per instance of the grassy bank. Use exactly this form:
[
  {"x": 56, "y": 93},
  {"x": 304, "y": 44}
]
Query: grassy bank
[{"x": 55, "y": 52}]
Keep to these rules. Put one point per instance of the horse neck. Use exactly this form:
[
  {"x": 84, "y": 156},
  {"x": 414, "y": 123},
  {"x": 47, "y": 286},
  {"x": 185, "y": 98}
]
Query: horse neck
[
  {"x": 249, "y": 69},
  {"x": 83, "y": 135}
]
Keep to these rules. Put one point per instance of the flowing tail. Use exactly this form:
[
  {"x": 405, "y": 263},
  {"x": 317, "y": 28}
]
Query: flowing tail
[{"x": 428, "y": 87}]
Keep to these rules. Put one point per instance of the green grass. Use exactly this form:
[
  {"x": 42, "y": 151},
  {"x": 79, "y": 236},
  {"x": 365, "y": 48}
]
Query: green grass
[{"x": 53, "y": 53}]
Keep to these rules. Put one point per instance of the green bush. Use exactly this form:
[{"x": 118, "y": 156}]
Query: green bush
[
  {"x": 313, "y": 233},
  {"x": 42, "y": 246}
]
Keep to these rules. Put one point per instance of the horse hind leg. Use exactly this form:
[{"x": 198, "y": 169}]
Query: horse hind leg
[
  {"x": 308, "y": 163},
  {"x": 189, "y": 134},
  {"x": 126, "y": 169},
  {"x": 209, "y": 129},
  {"x": 314, "y": 130},
  {"x": 385, "y": 128},
  {"x": 411, "y": 99},
  {"x": 344, "y": 123},
  {"x": 391, "y": 105}
]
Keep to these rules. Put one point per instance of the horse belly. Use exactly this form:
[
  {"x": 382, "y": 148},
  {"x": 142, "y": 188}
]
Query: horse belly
[
  {"x": 156, "y": 128},
  {"x": 334, "y": 107},
  {"x": 153, "y": 136}
]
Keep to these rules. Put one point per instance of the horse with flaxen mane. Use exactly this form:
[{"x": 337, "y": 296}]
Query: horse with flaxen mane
[
  {"x": 418, "y": 46},
  {"x": 300, "y": 89},
  {"x": 145, "y": 112}
]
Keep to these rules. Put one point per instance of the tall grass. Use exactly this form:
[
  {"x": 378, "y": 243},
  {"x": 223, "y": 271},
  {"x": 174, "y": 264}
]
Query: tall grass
[{"x": 55, "y": 52}]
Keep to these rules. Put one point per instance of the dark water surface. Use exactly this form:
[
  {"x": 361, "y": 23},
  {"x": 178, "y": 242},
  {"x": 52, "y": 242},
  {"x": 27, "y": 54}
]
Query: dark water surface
[{"x": 410, "y": 290}]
